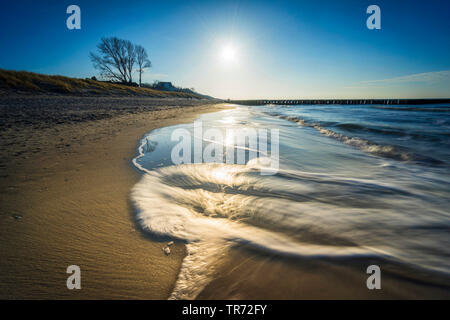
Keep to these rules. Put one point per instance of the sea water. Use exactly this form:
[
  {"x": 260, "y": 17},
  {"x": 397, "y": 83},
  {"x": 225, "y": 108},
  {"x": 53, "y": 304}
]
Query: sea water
[{"x": 353, "y": 181}]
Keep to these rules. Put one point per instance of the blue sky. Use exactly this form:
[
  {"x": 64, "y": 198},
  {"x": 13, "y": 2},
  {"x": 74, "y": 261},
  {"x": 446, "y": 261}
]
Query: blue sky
[{"x": 281, "y": 49}]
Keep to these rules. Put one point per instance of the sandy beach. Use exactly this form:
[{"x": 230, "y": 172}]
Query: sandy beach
[
  {"x": 65, "y": 178},
  {"x": 65, "y": 183}
]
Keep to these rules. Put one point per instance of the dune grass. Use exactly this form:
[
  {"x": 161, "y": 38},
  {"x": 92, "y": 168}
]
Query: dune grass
[{"x": 40, "y": 83}]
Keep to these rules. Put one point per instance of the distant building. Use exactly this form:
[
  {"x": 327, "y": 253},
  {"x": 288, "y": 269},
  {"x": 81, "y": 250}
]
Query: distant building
[{"x": 165, "y": 86}]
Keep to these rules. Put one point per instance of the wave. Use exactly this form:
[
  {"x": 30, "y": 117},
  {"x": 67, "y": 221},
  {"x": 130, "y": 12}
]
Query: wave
[
  {"x": 352, "y": 127},
  {"x": 357, "y": 127},
  {"x": 418, "y": 109},
  {"x": 213, "y": 207},
  {"x": 387, "y": 151}
]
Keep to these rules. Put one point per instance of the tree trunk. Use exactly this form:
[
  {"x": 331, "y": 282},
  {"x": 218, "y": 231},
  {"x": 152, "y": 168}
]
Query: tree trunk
[{"x": 140, "y": 74}]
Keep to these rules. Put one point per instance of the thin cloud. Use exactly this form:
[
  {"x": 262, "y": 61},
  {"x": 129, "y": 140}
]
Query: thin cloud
[
  {"x": 367, "y": 86},
  {"x": 426, "y": 77}
]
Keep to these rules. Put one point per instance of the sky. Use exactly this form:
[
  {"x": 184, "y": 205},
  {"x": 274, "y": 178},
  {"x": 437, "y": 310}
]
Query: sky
[{"x": 246, "y": 49}]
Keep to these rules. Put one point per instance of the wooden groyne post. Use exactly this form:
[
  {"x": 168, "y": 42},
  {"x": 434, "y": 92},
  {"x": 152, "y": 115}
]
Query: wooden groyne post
[{"x": 339, "y": 101}]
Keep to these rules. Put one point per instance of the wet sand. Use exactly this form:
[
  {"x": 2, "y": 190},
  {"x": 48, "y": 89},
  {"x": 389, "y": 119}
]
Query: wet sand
[
  {"x": 65, "y": 178},
  {"x": 248, "y": 274}
]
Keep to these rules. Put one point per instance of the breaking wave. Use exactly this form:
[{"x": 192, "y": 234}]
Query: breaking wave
[
  {"x": 387, "y": 151},
  {"x": 212, "y": 207}
]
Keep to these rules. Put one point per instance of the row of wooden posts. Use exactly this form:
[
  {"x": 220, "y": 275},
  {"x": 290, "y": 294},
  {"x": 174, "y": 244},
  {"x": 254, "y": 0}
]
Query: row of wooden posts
[{"x": 340, "y": 101}]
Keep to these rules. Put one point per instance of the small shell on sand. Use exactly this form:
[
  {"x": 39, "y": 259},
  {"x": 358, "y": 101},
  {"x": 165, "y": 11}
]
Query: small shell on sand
[
  {"x": 166, "y": 250},
  {"x": 170, "y": 243}
]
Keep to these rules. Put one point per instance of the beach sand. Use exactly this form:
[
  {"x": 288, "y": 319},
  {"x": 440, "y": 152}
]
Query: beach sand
[
  {"x": 65, "y": 178},
  {"x": 247, "y": 274}
]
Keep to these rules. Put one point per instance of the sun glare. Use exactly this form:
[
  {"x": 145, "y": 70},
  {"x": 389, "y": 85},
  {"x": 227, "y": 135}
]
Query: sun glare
[{"x": 228, "y": 54}]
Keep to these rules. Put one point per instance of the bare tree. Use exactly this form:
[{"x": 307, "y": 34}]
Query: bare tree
[
  {"x": 142, "y": 61},
  {"x": 115, "y": 60},
  {"x": 131, "y": 58}
]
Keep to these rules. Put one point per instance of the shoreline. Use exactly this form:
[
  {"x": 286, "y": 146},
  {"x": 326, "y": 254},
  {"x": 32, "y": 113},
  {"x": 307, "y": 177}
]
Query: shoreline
[
  {"x": 65, "y": 184},
  {"x": 65, "y": 201}
]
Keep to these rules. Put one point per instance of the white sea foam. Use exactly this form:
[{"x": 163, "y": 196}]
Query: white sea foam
[
  {"x": 208, "y": 205},
  {"x": 362, "y": 144}
]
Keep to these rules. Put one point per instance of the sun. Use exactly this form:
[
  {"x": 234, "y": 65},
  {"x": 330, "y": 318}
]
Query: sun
[{"x": 228, "y": 53}]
